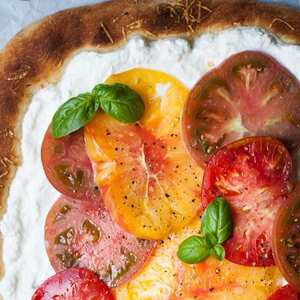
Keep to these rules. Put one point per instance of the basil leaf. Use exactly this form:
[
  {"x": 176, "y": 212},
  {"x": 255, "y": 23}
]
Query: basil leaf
[
  {"x": 211, "y": 240},
  {"x": 74, "y": 114},
  {"x": 218, "y": 252},
  {"x": 120, "y": 102},
  {"x": 217, "y": 220},
  {"x": 193, "y": 250}
]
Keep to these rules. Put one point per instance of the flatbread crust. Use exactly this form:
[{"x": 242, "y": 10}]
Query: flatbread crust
[{"x": 37, "y": 55}]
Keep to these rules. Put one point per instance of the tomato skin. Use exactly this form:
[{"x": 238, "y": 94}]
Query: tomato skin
[
  {"x": 254, "y": 175},
  {"x": 285, "y": 293},
  {"x": 82, "y": 234},
  {"x": 73, "y": 284},
  {"x": 67, "y": 165},
  {"x": 286, "y": 239},
  {"x": 249, "y": 94}
]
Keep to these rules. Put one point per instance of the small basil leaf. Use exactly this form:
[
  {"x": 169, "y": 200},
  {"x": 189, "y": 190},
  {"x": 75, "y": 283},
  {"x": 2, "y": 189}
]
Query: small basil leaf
[
  {"x": 217, "y": 220},
  {"x": 211, "y": 240},
  {"x": 218, "y": 252},
  {"x": 120, "y": 102},
  {"x": 73, "y": 114},
  {"x": 193, "y": 250}
]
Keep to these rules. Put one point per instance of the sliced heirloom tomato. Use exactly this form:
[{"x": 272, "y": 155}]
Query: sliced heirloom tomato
[
  {"x": 286, "y": 239},
  {"x": 67, "y": 165},
  {"x": 215, "y": 280},
  {"x": 250, "y": 94},
  {"x": 285, "y": 293},
  {"x": 82, "y": 234},
  {"x": 150, "y": 185},
  {"x": 254, "y": 175},
  {"x": 73, "y": 284},
  {"x": 168, "y": 278}
]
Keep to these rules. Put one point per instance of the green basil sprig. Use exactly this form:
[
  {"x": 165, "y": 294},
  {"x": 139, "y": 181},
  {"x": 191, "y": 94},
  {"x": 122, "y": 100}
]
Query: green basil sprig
[
  {"x": 216, "y": 228},
  {"x": 117, "y": 100},
  {"x": 217, "y": 220}
]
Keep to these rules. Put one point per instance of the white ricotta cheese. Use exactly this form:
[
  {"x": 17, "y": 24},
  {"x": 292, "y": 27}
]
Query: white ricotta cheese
[{"x": 31, "y": 196}]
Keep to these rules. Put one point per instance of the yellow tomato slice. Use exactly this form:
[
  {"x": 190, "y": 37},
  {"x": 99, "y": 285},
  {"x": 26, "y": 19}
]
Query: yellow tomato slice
[
  {"x": 150, "y": 184},
  {"x": 165, "y": 277}
]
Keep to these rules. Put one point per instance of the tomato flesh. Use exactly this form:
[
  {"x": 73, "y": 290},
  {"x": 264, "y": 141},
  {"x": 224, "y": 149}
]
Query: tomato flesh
[
  {"x": 67, "y": 165},
  {"x": 250, "y": 94},
  {"x": 286, "y": 239},
  {"x": 285, "y": 293},
  {"x": 254, "y": 175},
  {"x": 82, "y": 234},
  {"x": 150, "y": 185},
  {"x": 75, "y": 284}
]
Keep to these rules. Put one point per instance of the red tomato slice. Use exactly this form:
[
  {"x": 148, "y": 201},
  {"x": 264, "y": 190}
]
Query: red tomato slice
[
  {"x": 250, "y": 94},
  {"x": 286, "y": 239},
  {"x": 285, "y": 293},
  {"x": 67, "y": 165},
  {"x": 254, "y": 176},
  {"x": 82, "y": 234},
  {"x": 73, "y": 284}
]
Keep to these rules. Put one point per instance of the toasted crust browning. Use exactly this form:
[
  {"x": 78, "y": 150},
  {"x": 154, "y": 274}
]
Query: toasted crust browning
[{"x": 38, "y": 54}]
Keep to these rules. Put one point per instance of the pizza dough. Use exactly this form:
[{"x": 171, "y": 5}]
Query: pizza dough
[{"x": 38, "y": 54}]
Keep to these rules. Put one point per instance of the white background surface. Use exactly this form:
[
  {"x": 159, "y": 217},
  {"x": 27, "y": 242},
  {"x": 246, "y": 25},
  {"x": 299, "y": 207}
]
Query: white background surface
[{"x": 15, "y": 14}]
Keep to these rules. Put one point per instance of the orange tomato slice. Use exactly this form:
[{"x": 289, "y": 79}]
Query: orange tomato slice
[
  {"x": 215, "y": 280},
  {"x": 165, "y": 277},
  {"x": 148, "y": 180}
]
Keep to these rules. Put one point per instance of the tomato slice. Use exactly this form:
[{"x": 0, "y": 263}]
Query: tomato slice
[
  {"x": 254, "y": 175},
  {"x": 285, "y": 293},
  {"x": 67, "y": 165},
  {"x": 250, "y": 94},
  {"x": 82, "y": 234},
  {"x": 75, "y": 284},
  {"x": 286, "y": 239},
  {"x": 149, "y": 183}
]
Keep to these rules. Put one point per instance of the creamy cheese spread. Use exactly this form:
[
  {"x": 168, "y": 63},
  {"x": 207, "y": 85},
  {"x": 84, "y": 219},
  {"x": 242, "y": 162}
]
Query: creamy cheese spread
[{"x": 31, "y": 196}]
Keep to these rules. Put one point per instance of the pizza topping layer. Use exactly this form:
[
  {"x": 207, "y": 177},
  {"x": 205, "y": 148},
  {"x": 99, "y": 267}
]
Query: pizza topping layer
[
  {"x": 149, "y": 183},
  {"x": 82, "y": 234},
  {"x": 73, "y": 284},
  {"x": 250, "y": 94},
  {"x": 136, "y": 169},
  {"x": 254, "y": 175},
  {"x": 286, "y": 239}
]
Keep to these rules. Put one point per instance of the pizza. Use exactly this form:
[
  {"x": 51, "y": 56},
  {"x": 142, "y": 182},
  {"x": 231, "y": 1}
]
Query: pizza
[{"x": 150, "y": 150}]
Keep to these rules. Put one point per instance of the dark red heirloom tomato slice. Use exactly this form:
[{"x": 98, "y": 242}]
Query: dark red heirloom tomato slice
[
  {"x": 286, "y": 239},
  {"x": 67, "y": 165},
  {"x": 82, "y": 234},
  {"x": 285, "y": 293},
  {"x": 73, "y": 284},
  {"x": 254, "y": 176},
  {"x": 250, "y": 94}
]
